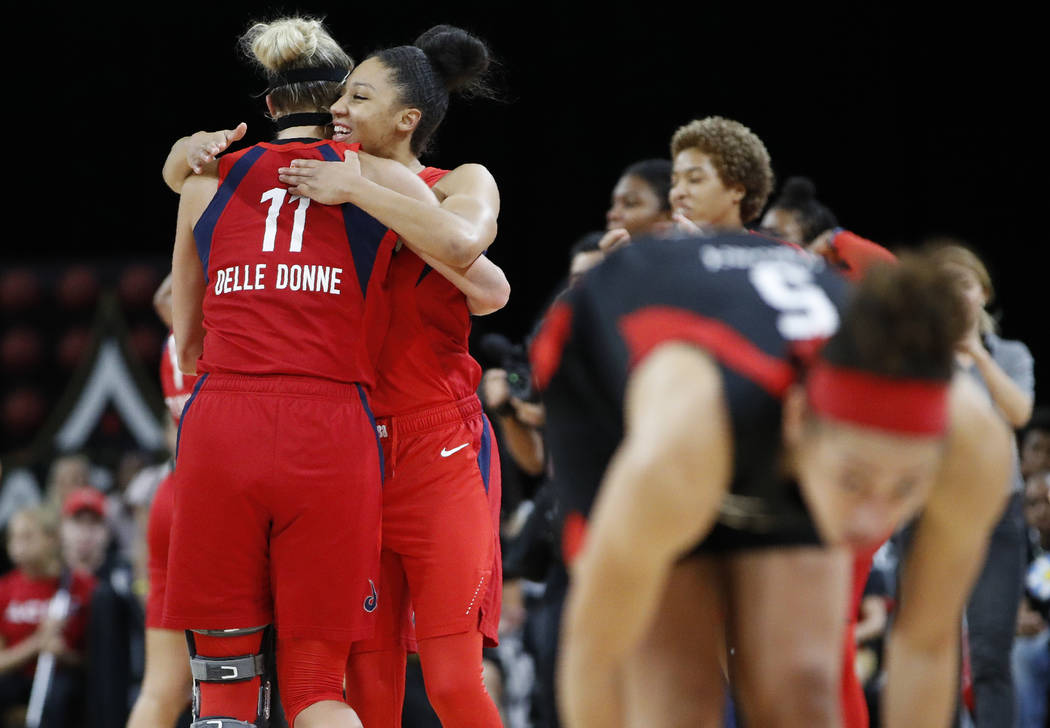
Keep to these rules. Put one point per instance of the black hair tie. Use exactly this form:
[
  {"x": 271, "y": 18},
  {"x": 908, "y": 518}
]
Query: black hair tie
[
  {"x": 303, "y": 75},
  {"x": 305, "y": 118}
]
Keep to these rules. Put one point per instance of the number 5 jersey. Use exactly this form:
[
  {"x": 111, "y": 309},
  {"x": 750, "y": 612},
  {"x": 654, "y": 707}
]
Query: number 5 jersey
[
  {"x": 754, "y": 305},
  {"x": 296, "y": 287}
]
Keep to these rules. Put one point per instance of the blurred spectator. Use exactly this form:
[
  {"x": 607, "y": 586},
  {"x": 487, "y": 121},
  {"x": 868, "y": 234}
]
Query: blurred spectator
[
  {"x": 84, "y": 531},
  {"x": 120, "y": 510},
  {"x": 584, "y": 255},
  {"x": 114, "y": 633},
  {"x": 19, "y": 490},
  {"x": 796, "y": 215},
  {"x": 1035, "y": 444},
  {"x": 25, "y": 629},
  {"x": 67, "y": 473},
  {"x": 872, "y": 625},
  {"x": 1031, "y": 652},
  {"x": 641, "y": 203},
  {"x": 1005, "y": 370}
]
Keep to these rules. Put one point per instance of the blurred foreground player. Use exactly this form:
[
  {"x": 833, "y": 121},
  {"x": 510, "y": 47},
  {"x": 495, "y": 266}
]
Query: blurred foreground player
[
  {"x": 277, "y": 479},
  {"x": 730, "y": 479}
]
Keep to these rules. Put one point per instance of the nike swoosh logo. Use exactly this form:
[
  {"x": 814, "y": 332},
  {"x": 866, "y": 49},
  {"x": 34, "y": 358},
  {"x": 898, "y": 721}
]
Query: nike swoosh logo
[{"x": 445, "y": 453}]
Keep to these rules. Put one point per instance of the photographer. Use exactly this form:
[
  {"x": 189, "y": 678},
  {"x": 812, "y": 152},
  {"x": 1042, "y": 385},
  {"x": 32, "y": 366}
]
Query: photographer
[{"x": 507, "y": 393}]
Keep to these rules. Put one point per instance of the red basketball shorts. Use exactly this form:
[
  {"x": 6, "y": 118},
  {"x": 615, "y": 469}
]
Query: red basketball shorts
[
  {"x": 277, "y": 509},
  {"x": 441, "y": 502},
  {"x": 158, "y": 533}
]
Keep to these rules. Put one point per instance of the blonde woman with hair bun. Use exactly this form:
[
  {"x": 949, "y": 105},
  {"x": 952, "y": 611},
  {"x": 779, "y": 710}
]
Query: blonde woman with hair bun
[
  {"x": 1004, "y": 369},
  {"x": 274, "y": 545}
]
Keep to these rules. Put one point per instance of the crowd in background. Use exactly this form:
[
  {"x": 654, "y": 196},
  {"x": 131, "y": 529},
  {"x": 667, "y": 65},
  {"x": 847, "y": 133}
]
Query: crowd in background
[{"x": 82, "y": 530}]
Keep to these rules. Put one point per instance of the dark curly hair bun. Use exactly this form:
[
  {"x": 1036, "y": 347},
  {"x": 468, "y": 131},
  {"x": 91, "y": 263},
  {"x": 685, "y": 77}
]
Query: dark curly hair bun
[
  {"x": 798, "y": 191},
  {"x": 460, "y": 58}
]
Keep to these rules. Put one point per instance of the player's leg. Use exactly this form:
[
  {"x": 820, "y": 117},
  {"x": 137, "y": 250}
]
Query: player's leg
[
  {"x": 218, "y": 584},
  {"x": 453, "y": 676},
  {"x": 230, "y": 679},
  {"x": 674, "y": 678},
  {"x": 311, "y": 673},
  {"x": 787, "y": 621},
  {"x": 167, "y": 683},
  {"x": 375, "y": 671},
  {"x": 324, "y": 546},
  {"x": 449, "y": 558}
]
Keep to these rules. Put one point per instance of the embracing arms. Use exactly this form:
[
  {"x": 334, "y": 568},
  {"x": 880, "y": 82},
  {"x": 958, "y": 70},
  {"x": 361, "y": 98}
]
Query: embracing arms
[{"x": 187, "y": 275}]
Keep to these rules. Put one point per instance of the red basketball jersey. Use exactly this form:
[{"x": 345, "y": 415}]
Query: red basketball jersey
[
  {"x": 425, "y": 359},
  {"x": 292, "y": 286},
  {"x": 177, "y": 387}
]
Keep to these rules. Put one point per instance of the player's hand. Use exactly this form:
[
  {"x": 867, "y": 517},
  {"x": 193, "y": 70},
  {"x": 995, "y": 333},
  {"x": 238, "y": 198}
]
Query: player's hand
[
  {"x": 330, "y": 183},
  {"x": 821, "y": 244},
  {"x": 613, "y": 239},
  {"x": 204, "y": 146},
  {"x": 971, "y": 344},
  {"x": 495, "y": 389}
]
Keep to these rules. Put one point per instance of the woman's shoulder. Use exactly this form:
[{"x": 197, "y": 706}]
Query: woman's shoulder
[
  {"x": 1013, "y": 348},
  {"x": 467, "y": 177}
]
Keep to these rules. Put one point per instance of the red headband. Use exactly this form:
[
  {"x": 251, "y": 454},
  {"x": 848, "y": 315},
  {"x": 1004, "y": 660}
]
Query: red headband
[{"x": 905, "y": 406}]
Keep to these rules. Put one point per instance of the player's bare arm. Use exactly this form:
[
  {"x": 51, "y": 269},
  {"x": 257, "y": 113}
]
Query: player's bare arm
[
  {"x": 195, "y": 154},
  {"x": 483, "y": 283},
  {"x": 187, "y": 275},
  {"x": 946, "y": 556},
  {"x": 455, "y": 233},
  {"x": 660, "y": 494}
]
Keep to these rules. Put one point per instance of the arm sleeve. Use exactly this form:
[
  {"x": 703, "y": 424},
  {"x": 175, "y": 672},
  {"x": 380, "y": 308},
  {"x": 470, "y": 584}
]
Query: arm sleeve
[
  {"x": 1017, "y": 362},
  {"x": 858, "y": 254}
]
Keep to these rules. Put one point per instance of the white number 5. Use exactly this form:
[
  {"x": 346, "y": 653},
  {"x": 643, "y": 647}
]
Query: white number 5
[{"x": 806, "y": 312}]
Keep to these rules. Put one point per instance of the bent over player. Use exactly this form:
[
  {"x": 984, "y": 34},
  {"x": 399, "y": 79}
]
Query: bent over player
[{"x": 730, "y": 477}]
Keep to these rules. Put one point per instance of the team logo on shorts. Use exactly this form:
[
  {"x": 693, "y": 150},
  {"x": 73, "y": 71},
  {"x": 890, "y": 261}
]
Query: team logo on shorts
[{"x": 371, "y": 601}]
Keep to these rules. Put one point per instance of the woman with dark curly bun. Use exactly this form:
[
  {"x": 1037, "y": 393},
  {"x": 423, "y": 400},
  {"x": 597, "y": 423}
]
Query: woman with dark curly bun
[{"x": 441, "y": 496}]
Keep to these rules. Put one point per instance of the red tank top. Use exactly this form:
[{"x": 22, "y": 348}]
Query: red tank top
[
  {"x": 292, "y": 286},
  {"x": 425, "y": 359}
]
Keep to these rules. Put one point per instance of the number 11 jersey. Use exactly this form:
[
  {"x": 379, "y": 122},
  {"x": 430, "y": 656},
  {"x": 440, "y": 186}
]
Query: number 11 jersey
[{"x": 292, "y": 287}]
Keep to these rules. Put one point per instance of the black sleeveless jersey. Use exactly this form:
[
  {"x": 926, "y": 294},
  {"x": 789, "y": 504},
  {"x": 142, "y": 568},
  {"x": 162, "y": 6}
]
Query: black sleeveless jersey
[{"x": 756, "y": 306}]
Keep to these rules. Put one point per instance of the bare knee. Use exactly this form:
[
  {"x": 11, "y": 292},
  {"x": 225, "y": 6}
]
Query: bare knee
[
  {"x": 327, "y": 714},
  {"x": 803, "y": 691}
]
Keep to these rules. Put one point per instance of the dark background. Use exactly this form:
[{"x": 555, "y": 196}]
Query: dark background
[{"x": 910, "y": 125}]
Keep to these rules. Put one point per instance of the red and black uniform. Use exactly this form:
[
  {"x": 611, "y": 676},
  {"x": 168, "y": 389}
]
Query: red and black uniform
[
  {"x": 754, "y": 305},
  {"x": 441, "y": 492},
  {"x": 278, "y": 472}
]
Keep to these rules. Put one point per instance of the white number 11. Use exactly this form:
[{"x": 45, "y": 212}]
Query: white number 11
[{"x": 276, "y": 197}]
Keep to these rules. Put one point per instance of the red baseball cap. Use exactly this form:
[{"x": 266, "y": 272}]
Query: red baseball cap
[{"x": 85, "y": 498}]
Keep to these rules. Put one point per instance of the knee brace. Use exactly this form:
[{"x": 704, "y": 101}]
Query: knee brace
[{"x": 231, "y": 677}]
